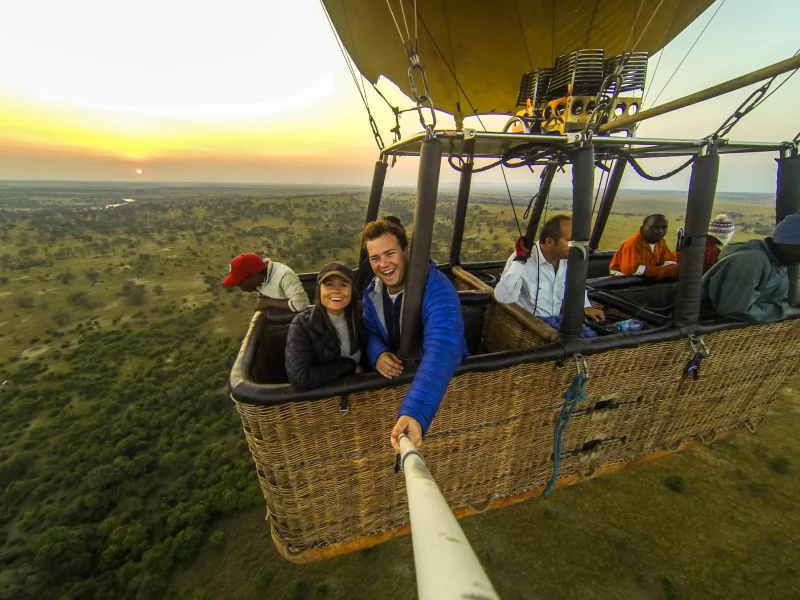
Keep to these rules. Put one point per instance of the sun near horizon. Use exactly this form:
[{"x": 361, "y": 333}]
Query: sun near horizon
[{"x": 258, "y": 92}]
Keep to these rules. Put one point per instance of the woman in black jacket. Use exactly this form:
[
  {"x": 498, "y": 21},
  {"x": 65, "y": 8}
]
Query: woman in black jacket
[{"x": 322, "y": 344}]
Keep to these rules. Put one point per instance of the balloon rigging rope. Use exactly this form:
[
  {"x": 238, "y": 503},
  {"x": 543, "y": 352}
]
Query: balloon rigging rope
[
  {"x": 646, "y": 27},
  {"x": 346, "y": 58},
  {"x": 405, "y": 21},
  {"x": 396, "y": 24},
  {"x": 687, "y": 53}
]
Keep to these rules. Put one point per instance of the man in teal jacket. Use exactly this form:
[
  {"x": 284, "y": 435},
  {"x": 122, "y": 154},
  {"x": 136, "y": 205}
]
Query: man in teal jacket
[{"x": 750, "y": 282}]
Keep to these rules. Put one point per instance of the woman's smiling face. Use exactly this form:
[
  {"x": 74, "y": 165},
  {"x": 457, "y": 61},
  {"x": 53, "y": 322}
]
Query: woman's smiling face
[{"x": 335, "y": 293}]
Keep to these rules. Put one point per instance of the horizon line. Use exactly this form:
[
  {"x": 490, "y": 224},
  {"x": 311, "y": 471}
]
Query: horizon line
[{"x": 321, "y": 184}]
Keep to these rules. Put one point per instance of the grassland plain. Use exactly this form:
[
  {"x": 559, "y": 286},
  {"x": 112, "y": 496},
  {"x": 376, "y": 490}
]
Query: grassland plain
[
  {"x": 118, "y": 444},
  {"x": 718, "y": 521}
]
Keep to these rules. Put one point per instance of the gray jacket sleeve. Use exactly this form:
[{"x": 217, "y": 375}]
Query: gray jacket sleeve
[{"x": 293, "y": 289}]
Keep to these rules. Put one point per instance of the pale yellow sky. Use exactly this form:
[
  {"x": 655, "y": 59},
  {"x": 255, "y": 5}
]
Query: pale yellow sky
[{"x": 256, "y": 91}]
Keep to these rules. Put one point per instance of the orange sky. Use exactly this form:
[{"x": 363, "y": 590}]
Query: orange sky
[{"x": 256, "y": 91}]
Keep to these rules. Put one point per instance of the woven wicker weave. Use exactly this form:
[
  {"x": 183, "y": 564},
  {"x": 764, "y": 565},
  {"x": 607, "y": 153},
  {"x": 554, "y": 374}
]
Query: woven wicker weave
[{"x": 328, "y": 478}]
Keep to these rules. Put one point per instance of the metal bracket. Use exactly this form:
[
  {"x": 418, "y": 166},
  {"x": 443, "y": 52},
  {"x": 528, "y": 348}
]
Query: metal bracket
[
  {"x": 581, "y": 362},
  {"x": 575, "y": 138},
  {"x": 469, "y": 134},
  {"x": 582, "y": 246},
  {"x": 426, "y": 102},
  {"x": 698, "y": 345}
]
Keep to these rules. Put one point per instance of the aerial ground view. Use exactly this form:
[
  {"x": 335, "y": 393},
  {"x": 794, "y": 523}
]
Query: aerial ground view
[
  {"x": 577, "y": 377},
  {"x": 125, "y": 470}
]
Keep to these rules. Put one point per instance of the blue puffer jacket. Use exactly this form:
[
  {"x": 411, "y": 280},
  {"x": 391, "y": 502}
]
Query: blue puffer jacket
[{"x": 443, "y": 343}]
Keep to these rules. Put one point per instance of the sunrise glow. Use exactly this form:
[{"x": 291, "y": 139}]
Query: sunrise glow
[{"x": 258, "y": 91}]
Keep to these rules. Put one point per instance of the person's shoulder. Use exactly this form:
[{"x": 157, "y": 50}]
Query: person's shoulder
[
  {"x": 439, "y": 290},
  {"x": 629, "y": 242},
  {"x": 281, "y": 269},
  {"x": 634, "y": 239},
  {"x": 438, "y": 278},
  {"x": 303, "y": 318}
]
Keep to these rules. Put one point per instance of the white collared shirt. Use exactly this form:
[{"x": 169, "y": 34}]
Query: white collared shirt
[
  {"x": 520, "y": 281},
  {"x": 284, "y": 284}
]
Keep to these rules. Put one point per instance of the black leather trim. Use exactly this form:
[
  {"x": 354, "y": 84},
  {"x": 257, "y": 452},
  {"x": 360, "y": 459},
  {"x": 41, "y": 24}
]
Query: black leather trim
[{"x": 244, "y": 390}]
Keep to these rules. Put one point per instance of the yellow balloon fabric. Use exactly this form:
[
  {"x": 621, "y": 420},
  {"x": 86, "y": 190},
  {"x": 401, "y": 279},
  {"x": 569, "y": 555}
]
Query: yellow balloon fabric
[{"x": 476, "y": 51}]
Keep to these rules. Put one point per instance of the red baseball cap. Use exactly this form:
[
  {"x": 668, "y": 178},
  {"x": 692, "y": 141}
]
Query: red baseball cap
[{"x": 242, "y": 266}]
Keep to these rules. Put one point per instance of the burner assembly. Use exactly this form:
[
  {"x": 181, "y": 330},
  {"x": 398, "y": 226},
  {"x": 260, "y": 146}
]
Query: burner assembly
[{"x": 563, "y": 99}]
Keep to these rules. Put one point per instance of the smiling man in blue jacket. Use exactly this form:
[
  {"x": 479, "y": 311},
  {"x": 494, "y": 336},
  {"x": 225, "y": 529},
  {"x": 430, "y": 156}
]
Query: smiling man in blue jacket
[{"x": 443, "y": 343}]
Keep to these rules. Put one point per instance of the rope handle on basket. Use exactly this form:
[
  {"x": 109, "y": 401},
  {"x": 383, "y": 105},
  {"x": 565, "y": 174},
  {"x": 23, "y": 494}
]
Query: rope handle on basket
[
  {"x": 483, "y": 509},
  {"x": 572, "y": 397},
  {"x": 713, "y": 439},
  {"x": 675, "y": 446},
  {"x": 692, "y": 368}
]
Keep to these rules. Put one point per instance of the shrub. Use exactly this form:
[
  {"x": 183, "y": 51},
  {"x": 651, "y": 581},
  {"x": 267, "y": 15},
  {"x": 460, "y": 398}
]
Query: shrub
[
  {"x": 83, "y": 300},
  {"x": 263, "y": 578},
  {"x": 61, "y": 318},
  {"x": 24, "y": 301},
  {"x": 217, "y": 539}
]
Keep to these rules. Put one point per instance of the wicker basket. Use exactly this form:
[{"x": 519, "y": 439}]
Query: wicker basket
[{"x": 328, "y": 477}]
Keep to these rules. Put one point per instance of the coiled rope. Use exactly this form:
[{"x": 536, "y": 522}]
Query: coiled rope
[{"x": 572, "y": 397}]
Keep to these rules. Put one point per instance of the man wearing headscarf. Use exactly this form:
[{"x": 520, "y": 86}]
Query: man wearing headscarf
[
  {"x": 750, "y": 281},
  {"x": 720, "y": 234}
]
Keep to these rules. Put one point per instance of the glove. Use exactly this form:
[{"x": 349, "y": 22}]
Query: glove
[{"x": 523, "y": 252}]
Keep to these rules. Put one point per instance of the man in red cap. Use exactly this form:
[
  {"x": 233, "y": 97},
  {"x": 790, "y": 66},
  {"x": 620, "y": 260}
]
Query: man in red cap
[{"x": 277, "y": 285}]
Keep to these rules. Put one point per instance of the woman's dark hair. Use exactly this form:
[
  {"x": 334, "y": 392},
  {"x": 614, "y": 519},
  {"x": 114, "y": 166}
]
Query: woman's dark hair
[
  {"x": 375, "y": 229},
  {"x": 350, "y": 314},
  {"x": 552, "y": 229}
]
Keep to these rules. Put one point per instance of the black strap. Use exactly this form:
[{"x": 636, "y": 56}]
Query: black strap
[{"x": 391, "y": 314}]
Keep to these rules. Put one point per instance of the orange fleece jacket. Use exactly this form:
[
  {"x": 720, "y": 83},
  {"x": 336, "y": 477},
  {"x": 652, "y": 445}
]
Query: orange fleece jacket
[{"x": 636, "y": 251}]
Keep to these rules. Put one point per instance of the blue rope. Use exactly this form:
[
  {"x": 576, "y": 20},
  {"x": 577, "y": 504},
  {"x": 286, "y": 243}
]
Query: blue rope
[{"x": 574, "y": 395}]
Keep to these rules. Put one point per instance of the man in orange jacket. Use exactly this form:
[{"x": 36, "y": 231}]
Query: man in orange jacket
[{"x": 646, "y": 253}]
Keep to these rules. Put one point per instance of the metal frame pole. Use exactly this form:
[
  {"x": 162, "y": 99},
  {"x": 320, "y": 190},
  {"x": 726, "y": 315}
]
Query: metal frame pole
[
  {"x": 702, "y": 188},
  {"x": 577, "y": 261},
  {"x": 430, "y": 164},
  {"x": 375, "y": 194},
  {"x": 445, "y": 564},
  {"x": 607, "y": 202},
  {"x": 787, "y": 202},
  {"x": 461, "y": 204},
  {"x": 538, "y": 206}
]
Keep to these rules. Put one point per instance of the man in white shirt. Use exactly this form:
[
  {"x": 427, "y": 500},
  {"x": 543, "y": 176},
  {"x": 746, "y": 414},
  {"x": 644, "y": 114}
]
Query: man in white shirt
[
  {"x": 536, "y": 278},
  {"x": 277, "y": 285}
]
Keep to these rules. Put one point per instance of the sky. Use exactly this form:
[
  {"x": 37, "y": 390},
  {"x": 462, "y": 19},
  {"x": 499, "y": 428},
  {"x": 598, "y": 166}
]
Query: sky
[{"x": 257, "y": 91}]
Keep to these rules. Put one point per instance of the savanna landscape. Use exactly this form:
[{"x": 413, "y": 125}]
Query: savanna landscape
[{"x": 124, "y": 472}]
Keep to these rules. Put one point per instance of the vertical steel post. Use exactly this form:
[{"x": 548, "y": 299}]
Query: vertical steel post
[
  {"x": 538, "y": 206},
  {"x": 607, "y": 202},
  {"x": 787, "y": 203},
  {"x": 375, "y": 194},
  {"x": 702, "y": 188},
  {"x": 430, "y": 163},
  {"x": 461, "y": 204},
  {"x": 577, "y": 261}
]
